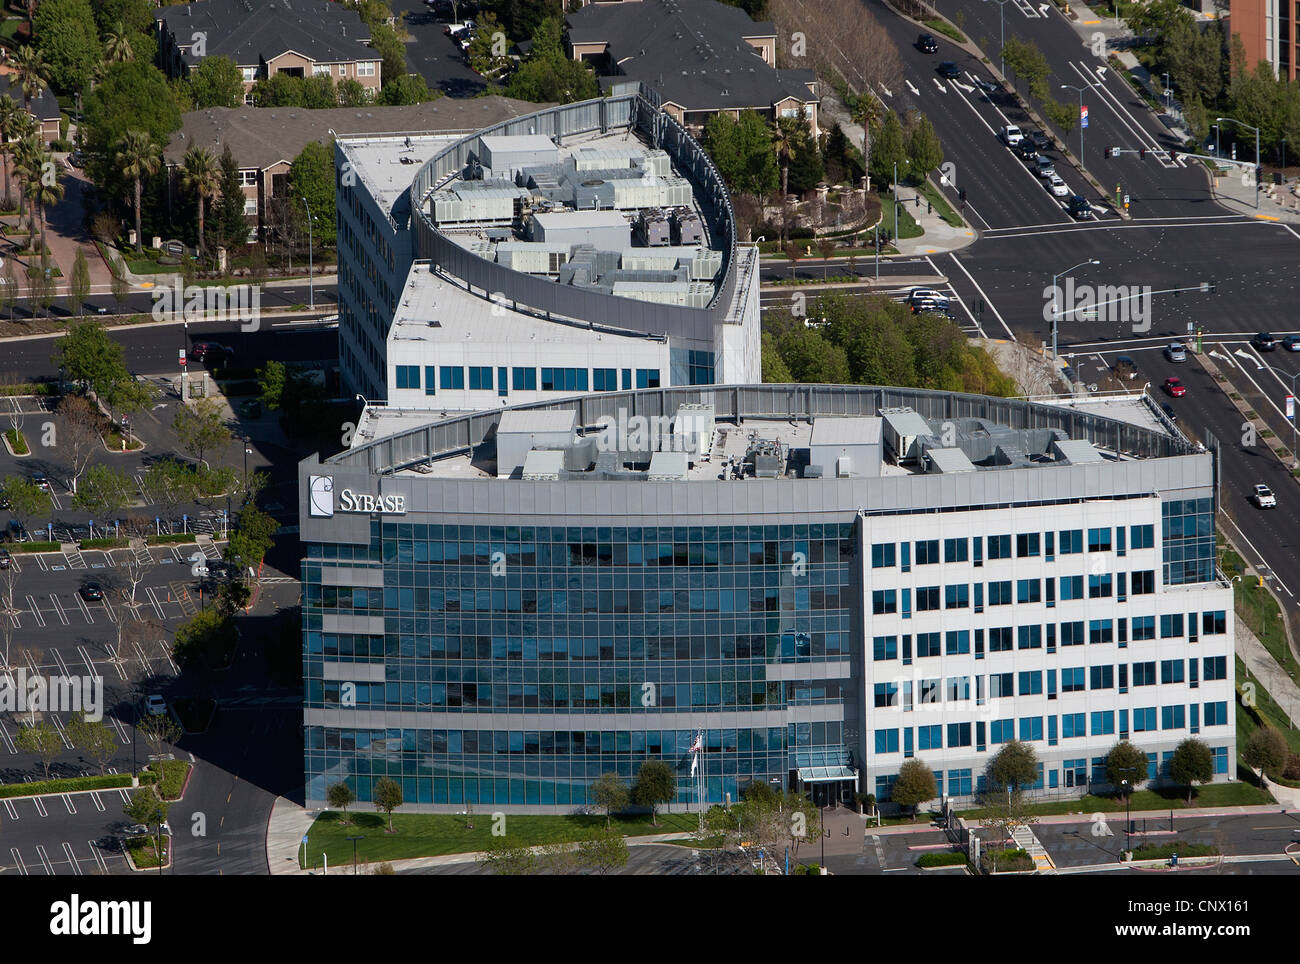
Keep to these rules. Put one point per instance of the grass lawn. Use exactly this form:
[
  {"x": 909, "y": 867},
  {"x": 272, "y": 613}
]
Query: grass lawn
[
  {"x": 431, "y": 834},
  {"x": 114, "y": 441},
  {"x": 16, "y": 441},
  {"x": 144, "y": 852},
  {"x": 1260, "y": 611},
  {"x": 935, "y": 197},
  {"x": 1211, "y": 795},
  {"x": 947, "y": 29},
  {"x": 145, "y": 266},
  {"x": 907, "y": 228},
  {"x": 1265, "y": 711}
]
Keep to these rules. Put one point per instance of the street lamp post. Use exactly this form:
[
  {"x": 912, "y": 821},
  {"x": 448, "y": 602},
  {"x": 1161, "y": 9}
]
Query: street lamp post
[
  {"x": 1256, "y": 130},
  {"x": 1215, "y": 128},
  {"x": 354, "y": 853},
  {"x": 895, "y": 192},
  {"x": 311, "y": 274},
  {"x": 1166, "y": 90},
  {"x": 1294, "y": 461},
  {"x": 1002, "y": 27},
  {"x": 1055, "y": 309},
  {"x": 1128, "y": 823},
  {"x": 1080, "y": 91}
]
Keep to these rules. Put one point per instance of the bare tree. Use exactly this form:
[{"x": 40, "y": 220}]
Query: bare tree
[
  {"x": 8, "y": 582},
  {"x": 841, "y": 37},
  {"x": 158, "y": 731},
  {"x": 133, "y": 570},
  {"x": 80, "y": 431}
]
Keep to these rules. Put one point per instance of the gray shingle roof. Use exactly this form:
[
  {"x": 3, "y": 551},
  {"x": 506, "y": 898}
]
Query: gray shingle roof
[
  {"x": 693, "y": 52},
  {"x": 262, "y": 136},
  {"x": 247, "y": 31},
  {"x": 45, "y": 107}
]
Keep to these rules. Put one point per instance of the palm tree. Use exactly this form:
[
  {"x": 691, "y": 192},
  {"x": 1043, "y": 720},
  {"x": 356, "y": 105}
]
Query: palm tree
[
  {"x": 117, "y": 47},
  {"x": 785, "y": 138},
  {"x": 139, "y": 157},
  {"x": 9, "y": 114},
  {"x": 866, "y": 111},
  {"x": 201, "y": 173},
  {"x": 32, "y": 69},
  {"x": 43, "y": 189},
  {"x": 27, "y": 168}
]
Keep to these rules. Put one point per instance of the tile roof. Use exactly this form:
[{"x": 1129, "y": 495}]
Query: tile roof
[
  {"x": 248, "y": 31},
  {"x": 693, "y": 52}
]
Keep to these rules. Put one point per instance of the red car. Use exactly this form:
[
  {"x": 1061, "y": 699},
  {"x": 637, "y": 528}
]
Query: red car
[
  {"x": 1175, "y": 388},
  {"x": 203, "y": 349}
]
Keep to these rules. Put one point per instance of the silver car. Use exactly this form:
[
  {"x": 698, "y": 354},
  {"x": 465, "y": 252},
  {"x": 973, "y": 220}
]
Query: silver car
[{"x": 1176, "y": 352}]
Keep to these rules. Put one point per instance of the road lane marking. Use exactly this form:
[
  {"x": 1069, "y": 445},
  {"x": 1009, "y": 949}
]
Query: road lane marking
[{"x": 987, "y": 300}]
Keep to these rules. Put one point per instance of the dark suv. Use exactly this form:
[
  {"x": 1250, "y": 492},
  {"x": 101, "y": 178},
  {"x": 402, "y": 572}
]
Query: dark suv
[
  {"x": 1264, "y": 341},
  {"x": 1079, "y": 208},
  {"x": 927, "y": 44}
]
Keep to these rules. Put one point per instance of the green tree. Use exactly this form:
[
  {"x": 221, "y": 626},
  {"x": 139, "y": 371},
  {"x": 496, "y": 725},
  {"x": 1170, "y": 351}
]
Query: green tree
[
  {"x": 603, "y": 851},
  {"x": 95, "y": 739},
  {"x": 90, "y": 357},
  {"x": 216, "y": 82},
  {"x": 489, "y": 38},
  {"x": 522, "y": 17},
  {"x": 145, "y": 807},
  {"x": 207, "y": 638},
  {"x": 1266, "y": 749},
  {"x": 66, "y": 35},
  {"x": 12, "y": 120},
  {"x": 319, "y": 93},
  {"x": 340, "y": 796},
  {"x": 888, "y": 149},
  {"x": 508, "y": 856},
  {"x": 406, "y": 89},
  {"x": 200, "y": 428},
  {"x": 33, "y": 73},
  {"x": 279, "y": 90},
  {"x": 272, "y": 377},
  {"x": 806, "y": 167},
  {"x": 27, "y": 500},
  {"x": 385, "y": 42},
  {"x": 785, "y": 141},
  {"x": 117, "y": 44},
  {"x": 104, "y": 491},
  {"x": 79, "y": 284},
  {"x": 252, "y": 538},
  {"x": 775, "y": 370},
  {"x": 44, "y": 189},
  {"x": 610, "y": 793},
  {"x": 140, "y": 157},
  {"x": 132, "y": 96},
  {"x": 914, "y": 786},
  {"x": 312, "y": 176},
  {"x": 42, "y": 741},
  {"x": 1014, "y": 766},
  {"x": 656, "y": 783},
  {"x": 1125, "y": 762},
  {"x": 866, "y": 111},
  {"x": 353, "y": 94},
  {"x": 1192, "y": 763},
  {"x": 388, "y": 797},
  {"x": 924, "y": 151},
  {"x": 228, "y": 220},
  {"x": 553, "y": 80},
  {"x": 201, "y": 175},
  {"x": 1064, "y": 116},
  {"x": 742, "y": 150}
]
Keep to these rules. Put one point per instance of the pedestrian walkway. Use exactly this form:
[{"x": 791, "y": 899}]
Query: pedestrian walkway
[
  {"x": 939, "y": 236},
  {"x": 1265, "y": 668},
  {"x": 1234, "y": 188}
]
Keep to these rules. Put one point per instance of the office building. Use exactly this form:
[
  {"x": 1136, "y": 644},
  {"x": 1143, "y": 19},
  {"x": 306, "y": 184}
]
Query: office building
[{"x": 820, "y": 582}]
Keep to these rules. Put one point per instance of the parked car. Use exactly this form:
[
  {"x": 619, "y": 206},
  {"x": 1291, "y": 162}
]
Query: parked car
[
  {"x": 155, "y": 705},
  {"x": 1080, "y": 208},
  {"x": 1263, "y": 497},
  {"x": 1058, "y": 187},
  {"x": 1176, "y": 352},
  {"x": 1043, "y": 166},
  {"x": 1011, "y": 135},
  {"x": 1169, "y": 411},
  {"x": 927, "y": 44},
  {"x": 1174, "y": 388},
  {"x": 5, "y": 559},
  {"x": 210, "y": 350},
  {"x": 1264, "y": 341},
  {"x": 950, "y": 70},
  {"x": 1125, "y": 368},
  {"x": 1291, "y": 342},
  {"x": 40, "y": 481},
  {"x": 91, "y": 592},
  {"x": 140, "y": 829}
]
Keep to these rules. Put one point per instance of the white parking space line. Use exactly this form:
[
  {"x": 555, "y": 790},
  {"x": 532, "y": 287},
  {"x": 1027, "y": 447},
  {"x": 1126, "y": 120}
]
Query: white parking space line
[
  {"x": 167, "y": 655},
  {"x": 45, "y": 860},
  {"x": 97, "y": 800},
  {"x": 67, "y": 802},
  {"x": 58, "y": 608},
  {"x": 117, "y": 726},
  {"x": 40, "y": 807},
  {"x": 72, "y": 858},
  {"x": 85, "y": 658},
  {"x": 99, "y": 860},
  {"x": 63, "y": 667},
  {"x": 81, "y": 604},
  {"x": 154, "y": 601},
  {"x": 144, "y": 660},
  {"x": 11, "y": 810},
  {"x": 18, "y": 861},
  {"x": 62, "y": 730},
  {"x": 36, "y": 612},
  {"x": 7, "y": 740},
  {"x": 108, "y": 608}
]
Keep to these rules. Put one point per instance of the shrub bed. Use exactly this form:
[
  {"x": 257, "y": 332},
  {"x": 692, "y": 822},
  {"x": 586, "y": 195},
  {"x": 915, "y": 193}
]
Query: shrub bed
[
  {"x": 941, "y": 860},
  {"x": 34, "y": 547},
  {"x": 169, "y": 539},
  {"x": 1166, "y": 850},
  {"x": 109, "y": 543},
  {"x": 111, "y": 781},
  {"x": 16, "y": 441}
]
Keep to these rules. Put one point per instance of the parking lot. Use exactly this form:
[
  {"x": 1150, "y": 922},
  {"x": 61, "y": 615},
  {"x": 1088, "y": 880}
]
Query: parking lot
[{"x": 71, "y": 834}]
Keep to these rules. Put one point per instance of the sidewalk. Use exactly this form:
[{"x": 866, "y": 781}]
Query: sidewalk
[
  {"x": 939, "y": 236},
  {"x": 1276, "y": 203},
  {"x": 1262, "y": 665}
]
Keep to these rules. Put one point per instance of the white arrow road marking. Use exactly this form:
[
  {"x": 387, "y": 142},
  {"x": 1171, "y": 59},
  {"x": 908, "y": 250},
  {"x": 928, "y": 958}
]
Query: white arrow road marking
[
  {"x": 1215, "y": 354},
  {"x": 942, "y": 88},
  {"x": 969, "y": 90},
  {"x": 1246, "y": 355},
  {"x": 911, "y": 87},
  {"x": 886, "y": 91}
]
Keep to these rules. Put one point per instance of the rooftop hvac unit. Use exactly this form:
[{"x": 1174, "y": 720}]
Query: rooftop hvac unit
[{"x": 843, "y": 467}]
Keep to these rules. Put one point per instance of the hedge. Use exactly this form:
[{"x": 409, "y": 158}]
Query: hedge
[
  {"x": 107, "y": 543},
  {"x": 34, "y": 547},
  {"x": 69, "y": 785},
  {"x": 168, "y": 540},
  {"x": 1166, "y": 850},
  {"x": 941, "y": 860},
  {"x": 28, "y": 388}
]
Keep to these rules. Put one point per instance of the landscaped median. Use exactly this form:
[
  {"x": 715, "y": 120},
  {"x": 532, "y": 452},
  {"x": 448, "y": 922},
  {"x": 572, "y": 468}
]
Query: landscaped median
[
  {"x": 33, "y": 546},
  {"x": 934, "y": 861},
  {"x": 174, "y": 778},
  {"x": 439, "y": 834},
  {"x": 168, "y": 540},
  {"x": 1235, "y": 794},
  {"x": 113, "y": 781}
]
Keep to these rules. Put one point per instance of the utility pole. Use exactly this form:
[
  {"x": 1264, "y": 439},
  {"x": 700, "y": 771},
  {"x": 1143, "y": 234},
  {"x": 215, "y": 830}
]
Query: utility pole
[{"x": 311, "y": 274}]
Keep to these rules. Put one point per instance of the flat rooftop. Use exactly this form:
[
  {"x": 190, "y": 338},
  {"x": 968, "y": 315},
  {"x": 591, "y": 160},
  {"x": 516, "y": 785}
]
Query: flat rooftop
[{"x": 388, "y": 164}]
